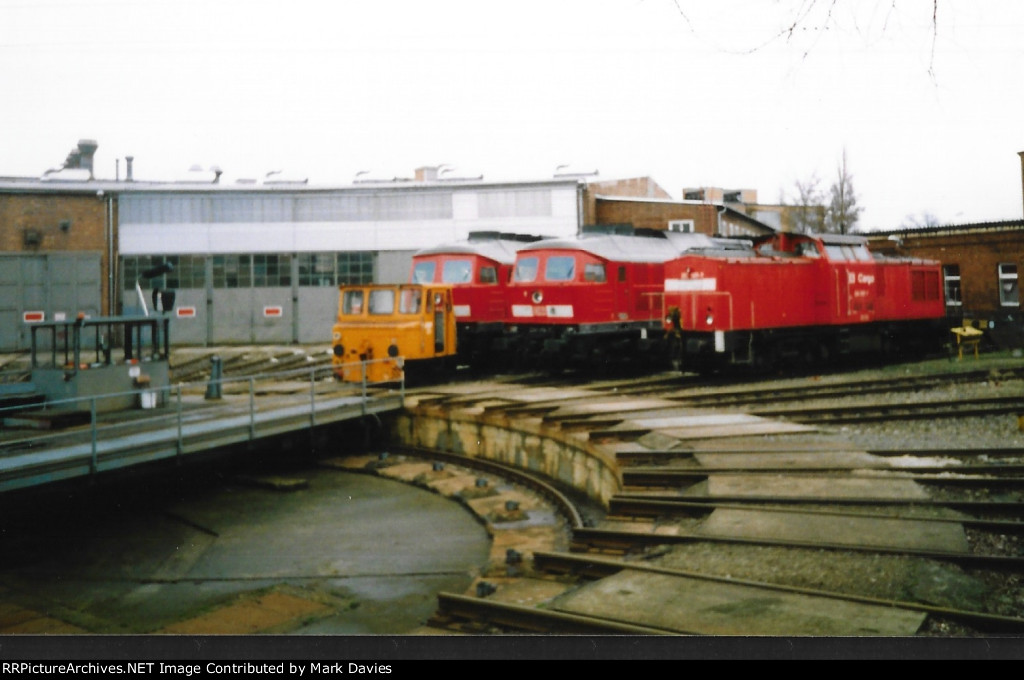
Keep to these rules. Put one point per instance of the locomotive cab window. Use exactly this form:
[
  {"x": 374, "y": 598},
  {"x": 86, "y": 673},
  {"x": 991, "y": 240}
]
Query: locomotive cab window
[
  {"x": 807, "y": 249},
  {"x": 835, "y": 253},
  {"x": 423, "y": 272},
  {"x": 457, "y": 271},
  {"x": 488, "y": 275},
  {"x": 594, "y": 271},
  {"x": 382, "y": 302},
  {"x": 352, "y": 302},
  {"x": 410, "y": 302},
  {"x": 862, "y": 254},
  {"x": 526, "y": 269},
  {"x": 560, "y": 268}
]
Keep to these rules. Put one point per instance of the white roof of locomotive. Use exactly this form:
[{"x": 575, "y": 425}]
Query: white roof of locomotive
[
  {"x": 622, "y": 248},
  {"x": 501, "y": 250}
]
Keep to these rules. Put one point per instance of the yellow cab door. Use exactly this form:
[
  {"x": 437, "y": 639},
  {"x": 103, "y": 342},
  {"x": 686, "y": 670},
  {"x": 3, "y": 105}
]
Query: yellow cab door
[{"x": 440, "y": 308}]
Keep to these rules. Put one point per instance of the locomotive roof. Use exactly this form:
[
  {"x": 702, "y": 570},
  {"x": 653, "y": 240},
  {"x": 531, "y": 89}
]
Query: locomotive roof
[
  {"x": 500, "y": 247},
  {"x": 620, "y": 248},
  {"x": 841, "y": 239},
  {"x": 836, "y": 239}
]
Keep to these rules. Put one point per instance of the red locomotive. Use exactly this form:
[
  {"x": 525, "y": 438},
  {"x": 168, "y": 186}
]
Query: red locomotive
[
  {"x": 613, "y": 293},
  {"x": 801, "y": 297},
  {"x": 478, "y": 269},
  {"x": 595, "y": 298}
]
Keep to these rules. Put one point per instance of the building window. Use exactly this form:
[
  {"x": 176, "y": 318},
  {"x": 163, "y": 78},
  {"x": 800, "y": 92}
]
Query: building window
[
  {"x": 316, "y": 269},
  {"x": 132, "y": 268},
  {"x": 683, "y": 226},
  {"x": 1009, "y": 293},
  {"x": 354, "y": 268},
  {"x": 189, "y": 271},
  {"x": 272, "y": 271},
  {"x": 232, "y": 271},
  {"x": 951, "y": 276}
]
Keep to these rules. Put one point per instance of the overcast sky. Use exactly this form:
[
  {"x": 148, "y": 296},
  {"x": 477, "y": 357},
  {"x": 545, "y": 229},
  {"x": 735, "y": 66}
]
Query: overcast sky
[{"x": 689, "y": 92}]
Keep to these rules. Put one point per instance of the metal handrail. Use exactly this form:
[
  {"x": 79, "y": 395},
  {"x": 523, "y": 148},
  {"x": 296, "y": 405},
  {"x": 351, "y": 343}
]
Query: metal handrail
[{"x": 178, "y": 414}]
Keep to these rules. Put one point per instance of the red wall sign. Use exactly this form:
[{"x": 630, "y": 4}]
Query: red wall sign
[
  {"x": 33, "y": 317},
  {"x": 185, "y": 312},
  {"x": 273, "y": 312}
]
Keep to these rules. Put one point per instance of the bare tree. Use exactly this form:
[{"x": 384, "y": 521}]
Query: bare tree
[
  {"x": 843, "y": 213},
  {"x": 817, "y": 17},
  {"x": 805, "y": 211},
  {"x": 921, "y": 221}
]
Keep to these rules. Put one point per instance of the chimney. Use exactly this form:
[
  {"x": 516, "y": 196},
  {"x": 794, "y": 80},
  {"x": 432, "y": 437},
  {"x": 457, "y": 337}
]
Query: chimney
[
  {"x": 427, "y": 173},
  {"x": 128, "y": 160},
  {"x": 86, "y": 151}
]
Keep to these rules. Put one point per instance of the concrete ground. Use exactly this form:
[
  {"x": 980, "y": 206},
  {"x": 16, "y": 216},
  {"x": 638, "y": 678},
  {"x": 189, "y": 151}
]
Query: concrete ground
[{"x": 313, "y": 551}]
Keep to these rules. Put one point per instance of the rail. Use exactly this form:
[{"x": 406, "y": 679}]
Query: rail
[{"x": 173, "y": 426}]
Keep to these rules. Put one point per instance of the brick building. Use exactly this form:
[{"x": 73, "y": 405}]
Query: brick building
[
  {"x": 981, "y": 264},
  {"x": 684, "y": 216}
]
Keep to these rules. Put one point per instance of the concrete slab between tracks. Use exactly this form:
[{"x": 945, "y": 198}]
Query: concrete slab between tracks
[
  {"x": 827, "y": 488},
  {"x": 810, "y": 442},
  {"x": 739, "y": 429},
  {"x": 615, "y": 406},
  {"x": 775, "y": 459},
  {"x": 696, "y": 419},
  {"x": 455, "y": 393},
  {"x": 704, "y": 607},
  {"x": 841, "y": 530}
]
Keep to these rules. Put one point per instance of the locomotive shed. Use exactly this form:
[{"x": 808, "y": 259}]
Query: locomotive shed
[{"x": 706, "y": 518}]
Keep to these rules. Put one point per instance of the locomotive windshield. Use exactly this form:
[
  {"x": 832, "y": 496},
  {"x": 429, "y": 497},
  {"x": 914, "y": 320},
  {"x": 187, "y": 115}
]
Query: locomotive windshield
[
  {"x": 423, "y": 272},
  {"x": 862, "y": 254},
  {"x": 457, "y": 271},
  {"x": 848, "y": 253},
  {"x": 560, "y": 268},
  {"x": 382, "y": 301},
  {"x": 526, "y": 269},
  {"x": 352, "y": 302}
]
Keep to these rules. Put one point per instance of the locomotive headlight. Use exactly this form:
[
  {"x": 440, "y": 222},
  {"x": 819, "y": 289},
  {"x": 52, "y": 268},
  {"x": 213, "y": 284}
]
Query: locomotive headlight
[
  {"x": 537, "y": 297},
  {"x": 709, "y": 319}
]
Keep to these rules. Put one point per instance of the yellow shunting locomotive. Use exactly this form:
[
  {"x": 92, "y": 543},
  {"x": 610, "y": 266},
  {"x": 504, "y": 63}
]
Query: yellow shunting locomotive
[{"x": 382, "y": 329}]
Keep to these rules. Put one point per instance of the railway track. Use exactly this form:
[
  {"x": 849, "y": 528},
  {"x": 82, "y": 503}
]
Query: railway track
[{"x": 795, "y": 532}]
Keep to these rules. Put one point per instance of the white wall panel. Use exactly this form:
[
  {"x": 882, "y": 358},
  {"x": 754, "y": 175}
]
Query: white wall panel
[
  {"x": 564, "y": 203},
  {"x": 163, "y": 239},
  {"x": 464, "y": 205},
  {"x": 196, "y": 239}
]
